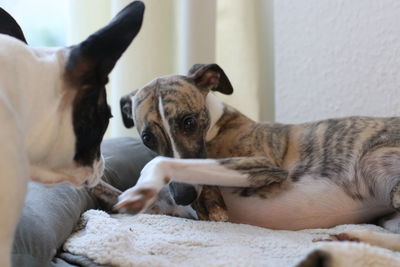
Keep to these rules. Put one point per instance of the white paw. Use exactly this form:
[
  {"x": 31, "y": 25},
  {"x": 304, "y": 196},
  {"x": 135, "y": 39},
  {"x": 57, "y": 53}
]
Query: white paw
[
  {"x": 136, "y": 199},
  {"x": 353, "y": 236},
  {"x": 347, "y": 236},
  {"x": 152, "y": 179}
]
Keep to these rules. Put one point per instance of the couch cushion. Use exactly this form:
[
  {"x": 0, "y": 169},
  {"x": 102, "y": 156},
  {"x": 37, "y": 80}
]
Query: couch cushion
[{"x": 50, "y": 214}]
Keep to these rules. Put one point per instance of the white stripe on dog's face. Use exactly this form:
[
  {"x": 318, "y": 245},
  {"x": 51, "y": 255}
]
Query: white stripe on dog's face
[
  {"x": 167, "y": 128},
  {"x": 215, "y": 109}
]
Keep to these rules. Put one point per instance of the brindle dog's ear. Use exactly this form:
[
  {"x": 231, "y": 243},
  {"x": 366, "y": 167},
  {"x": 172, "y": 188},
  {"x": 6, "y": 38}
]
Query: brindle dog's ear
[
  {"x": 92, "y": 60},
  {"x": 210, "y": 76},
  {"x": 9, "y": 26},
  {"x": 126, "y": 109}
]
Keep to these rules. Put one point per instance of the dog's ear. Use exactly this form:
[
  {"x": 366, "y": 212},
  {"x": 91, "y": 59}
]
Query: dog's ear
[
  {"x": 210, "y": 76},
  {"x": 9, "y": 26},
  {"x": 126, "y": 109},
  {"x": 92, "y": 60}
]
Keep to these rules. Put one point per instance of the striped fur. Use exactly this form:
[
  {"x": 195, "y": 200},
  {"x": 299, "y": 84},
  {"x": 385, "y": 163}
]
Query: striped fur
[{"x": 316, "y": 174}]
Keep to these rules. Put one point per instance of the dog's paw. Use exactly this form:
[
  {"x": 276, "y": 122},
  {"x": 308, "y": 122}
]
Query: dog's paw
[
  {"x": 345, "y": 237},
  {"x": 218, "y": 214},
  {"x": 152, "y": 179},
  {"x": 353, "y": 237},
  {"x": 136, "y": 200}
]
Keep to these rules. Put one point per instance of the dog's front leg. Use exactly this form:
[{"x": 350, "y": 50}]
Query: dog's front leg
[
  {"x": 230, "y": 172},
  {"x": 14, "y": 172},
  {"x": 106, "y": 194}
]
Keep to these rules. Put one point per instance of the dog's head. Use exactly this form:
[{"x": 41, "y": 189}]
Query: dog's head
[
  {"x": 76, "y": 77},
  {"x": 173, "y": 115}
]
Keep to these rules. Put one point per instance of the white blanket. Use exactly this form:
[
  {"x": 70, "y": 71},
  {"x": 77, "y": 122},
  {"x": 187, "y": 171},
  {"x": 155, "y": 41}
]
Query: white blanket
[{"x": 158, "y": 240}]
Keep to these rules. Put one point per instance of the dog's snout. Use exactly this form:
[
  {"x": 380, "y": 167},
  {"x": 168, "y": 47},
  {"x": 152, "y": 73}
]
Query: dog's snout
[{"x": 183, "y": 194}]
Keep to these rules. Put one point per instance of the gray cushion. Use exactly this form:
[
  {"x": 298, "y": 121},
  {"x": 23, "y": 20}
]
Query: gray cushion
[
  {"x": 50, "y": 214},
  {"x": 125, "y": 157}
]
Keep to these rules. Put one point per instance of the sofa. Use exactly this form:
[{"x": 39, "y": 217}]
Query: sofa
[{"x": 51, "y": 213}]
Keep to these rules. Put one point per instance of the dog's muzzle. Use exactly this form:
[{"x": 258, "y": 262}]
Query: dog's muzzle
[{"x": 183, "y": 194}]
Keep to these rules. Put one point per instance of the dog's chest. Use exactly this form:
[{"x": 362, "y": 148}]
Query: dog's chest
[{"x": 307, "y": 204}]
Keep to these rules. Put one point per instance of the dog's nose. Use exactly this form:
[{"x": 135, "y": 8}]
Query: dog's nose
[{"x": 183, "y": 194}]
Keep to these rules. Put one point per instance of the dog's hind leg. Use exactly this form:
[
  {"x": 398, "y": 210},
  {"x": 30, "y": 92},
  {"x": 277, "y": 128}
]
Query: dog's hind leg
[
  {"x": 380, "y": 239},
  {"x": 231, "y": 172},
  {"x": 381, "y": 173}
]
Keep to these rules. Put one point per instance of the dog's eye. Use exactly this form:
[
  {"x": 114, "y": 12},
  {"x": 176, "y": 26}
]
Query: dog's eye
[
  {"x": 148, "y": 139},
  {"x": 189, "y": 124}
]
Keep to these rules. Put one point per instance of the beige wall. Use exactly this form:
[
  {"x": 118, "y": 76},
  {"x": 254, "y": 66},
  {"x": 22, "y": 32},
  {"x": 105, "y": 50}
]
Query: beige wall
[
  {"x": 150, "y": 55},
  {"x": 245, "y": 50}
]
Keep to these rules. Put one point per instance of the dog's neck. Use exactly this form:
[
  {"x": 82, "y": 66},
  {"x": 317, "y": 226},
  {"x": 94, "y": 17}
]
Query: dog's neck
[
  {"x": 219, "y": 111},
  {"x": 33, "y": 93},
  {"x": 216, "y": 110}
]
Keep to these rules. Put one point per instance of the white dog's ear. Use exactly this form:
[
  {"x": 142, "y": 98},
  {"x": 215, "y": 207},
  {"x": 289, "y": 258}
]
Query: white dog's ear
[
  {"x": 91, "y": 61},
  {"x": 127, "y": 109},
  {"x": 210, "y": 76},
  {"x": 9, "y": 26}
]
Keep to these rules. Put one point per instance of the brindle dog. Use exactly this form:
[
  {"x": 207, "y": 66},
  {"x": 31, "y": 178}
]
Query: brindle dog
[{"x": 279, "y": 176}]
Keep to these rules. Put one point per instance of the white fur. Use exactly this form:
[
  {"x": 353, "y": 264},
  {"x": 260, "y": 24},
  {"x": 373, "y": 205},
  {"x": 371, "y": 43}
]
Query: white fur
[
  {"x": 37, "y": 138},
  {"x": 31, "y": 82},
  {"x": 167, "y": 128},
  {"x": 215, "y": 109},
  {"x": 380, "y": 239},
  {"x": 296, "y": 208},
  {"x": 293, "y": 209},
  {"x": 133, "y": 107},
  {"x": 191, "y": 171},
  {"x": 32, "y": 86}
]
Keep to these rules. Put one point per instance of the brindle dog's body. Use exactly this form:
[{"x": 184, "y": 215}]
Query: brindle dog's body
[
  {"x": 323, "y": 174},
  {"x": 291, "y": 177}
]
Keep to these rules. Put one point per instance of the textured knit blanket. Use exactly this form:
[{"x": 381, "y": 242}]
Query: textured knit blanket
[{"x": 158, "y": 240}]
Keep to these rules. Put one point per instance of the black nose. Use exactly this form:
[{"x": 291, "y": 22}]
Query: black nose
[{"x": 183, "y": 194}]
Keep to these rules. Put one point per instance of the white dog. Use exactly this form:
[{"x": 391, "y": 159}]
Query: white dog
[{"x": 53, "y": 111}]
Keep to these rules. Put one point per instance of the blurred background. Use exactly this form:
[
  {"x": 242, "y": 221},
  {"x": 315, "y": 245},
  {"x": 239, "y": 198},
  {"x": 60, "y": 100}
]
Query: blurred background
[{"x": 289, "y": 61}]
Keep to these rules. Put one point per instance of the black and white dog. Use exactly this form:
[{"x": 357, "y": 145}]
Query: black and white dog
[{"x": 53, "y": 111}]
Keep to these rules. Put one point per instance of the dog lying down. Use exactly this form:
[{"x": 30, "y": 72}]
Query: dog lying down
[
  {"x": 231, "y": 168},
  {"x": 312, "y": 175}
]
